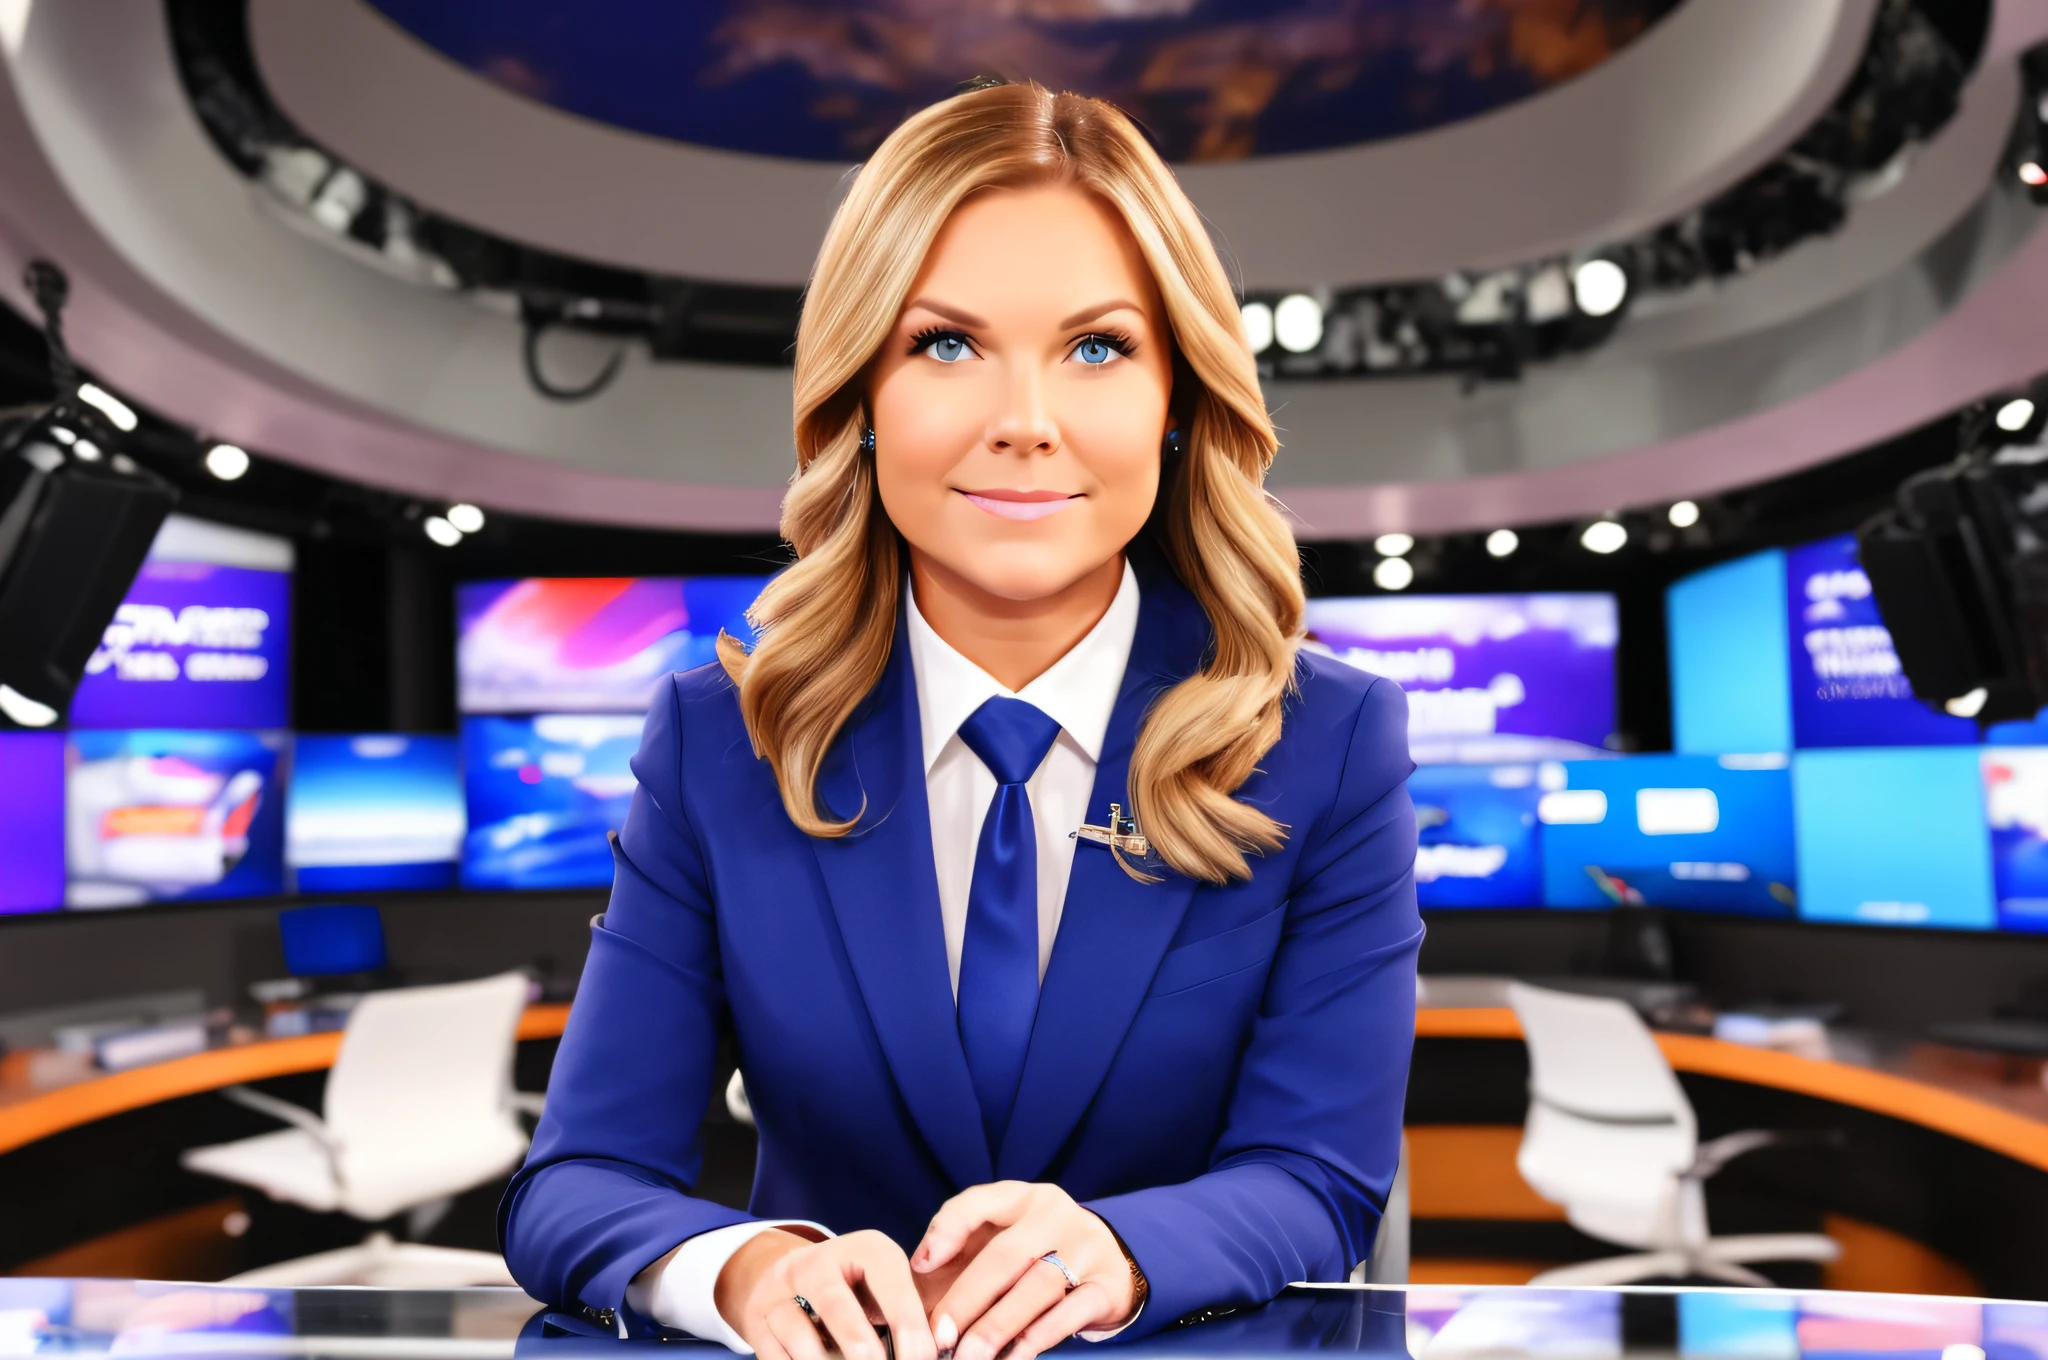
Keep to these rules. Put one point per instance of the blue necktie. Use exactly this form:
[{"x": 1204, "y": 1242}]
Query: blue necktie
[{"x": 999, "y": 956}]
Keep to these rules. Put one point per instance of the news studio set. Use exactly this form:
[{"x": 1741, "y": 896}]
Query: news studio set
[{"x": 421, "y": 630}]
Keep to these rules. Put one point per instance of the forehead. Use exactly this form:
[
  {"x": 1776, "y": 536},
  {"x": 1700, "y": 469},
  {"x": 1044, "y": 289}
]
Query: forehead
[{"x": 1045, "y": 249}]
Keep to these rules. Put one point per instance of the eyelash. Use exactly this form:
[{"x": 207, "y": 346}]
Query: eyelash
[
  {"x": 1116, "y": 340},
  {"x": 930, "y": 335}
]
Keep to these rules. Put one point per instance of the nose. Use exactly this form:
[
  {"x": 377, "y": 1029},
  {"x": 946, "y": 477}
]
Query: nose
[{"x": 1023, "y": 424}]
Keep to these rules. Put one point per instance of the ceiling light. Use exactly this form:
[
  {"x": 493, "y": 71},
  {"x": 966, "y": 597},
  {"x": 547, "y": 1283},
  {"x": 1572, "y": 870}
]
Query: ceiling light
[
  {"x": 24, "y": 711},
  {"x": 1393, "y": 545},
  {"x": 87, "y": 450},
  {"x": 1548, "y": 296},
  {"x": 226, "y": 462},
  {"x": 1600, "y": 286},
  {"x": 2032, "y": 175},
  {"x": 2014, "y": 415},
  {"x": 1502, "y": 542},
  {"x": 1603, "y": 536},
  {"x": 466, "y": 517},
  {"x": 1393, "y": 573},
  {"x": 1683, "y": 514},
  {"x": 1298, "y": 323},
  {"x": 1258, "y": 326},
  {"x": 441, "y": 531},
  {"x": 1968, "y": 705},
  {"x": 108, "y": 405}
]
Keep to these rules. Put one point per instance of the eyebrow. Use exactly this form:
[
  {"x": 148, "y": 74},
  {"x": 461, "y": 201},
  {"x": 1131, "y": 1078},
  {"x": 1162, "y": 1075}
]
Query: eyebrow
[
  {"x": 1099, "y": 311},
  {"x": 950, "y": 313}
]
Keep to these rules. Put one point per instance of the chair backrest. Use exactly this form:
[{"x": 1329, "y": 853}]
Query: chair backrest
[
  {"x": 422, "y": 1064},
  {"x": 1592, "y": 1057}
]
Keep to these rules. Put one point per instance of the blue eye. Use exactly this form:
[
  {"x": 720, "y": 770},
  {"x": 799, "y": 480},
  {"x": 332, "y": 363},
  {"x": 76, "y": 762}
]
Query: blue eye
[
  {"x": 1097, "y": 350},
  {"x": 948, "y": 347}
]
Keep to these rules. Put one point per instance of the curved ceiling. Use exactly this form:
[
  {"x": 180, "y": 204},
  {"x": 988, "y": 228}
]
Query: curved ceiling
[
  {"x": 195, "y": 298},
  {"x": 827, "y": 79}
]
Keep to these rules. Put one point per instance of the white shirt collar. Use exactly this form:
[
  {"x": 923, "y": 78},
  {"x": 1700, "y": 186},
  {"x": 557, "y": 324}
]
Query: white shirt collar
[{"x": 1078, "y": 691}]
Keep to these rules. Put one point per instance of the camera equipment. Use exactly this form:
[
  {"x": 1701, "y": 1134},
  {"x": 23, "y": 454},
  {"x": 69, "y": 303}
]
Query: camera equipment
[{"x": 76, "y": 520}]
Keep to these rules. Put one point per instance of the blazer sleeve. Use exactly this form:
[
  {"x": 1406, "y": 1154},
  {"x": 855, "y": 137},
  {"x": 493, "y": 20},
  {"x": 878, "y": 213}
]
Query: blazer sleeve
[
  {"x": 605, "y": 1190},
  {"x": 1312, "y": 1135}
]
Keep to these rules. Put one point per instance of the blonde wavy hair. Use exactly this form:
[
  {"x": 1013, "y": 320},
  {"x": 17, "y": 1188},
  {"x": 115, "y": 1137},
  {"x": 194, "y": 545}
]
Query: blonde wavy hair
[{"x": 826, "y": 624}]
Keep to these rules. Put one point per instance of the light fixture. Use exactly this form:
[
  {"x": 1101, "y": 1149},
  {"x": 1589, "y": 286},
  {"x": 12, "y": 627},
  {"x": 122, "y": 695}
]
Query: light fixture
[
  {"x": 86, "y": 449},
  {"x": 1502, "y": 542},
  {"x": 1258, "y": 326},
  {"x": 1968, "y": 705},
  {"x": 24, "y": 711},
  {"x": 466, "y": 517},
  {"x": 441, "y": 531},
  {"x": 1603, "y": 536},
  {"x": 108, "y": 405},
  {"x": 226, "y": 461},
  {"x": 1393, "y": 573},
  {"x": 1298, "y": 323},
  {"x": 62, "y": 435},
  {"x": 1600, "y": 285},
  {"x": 2014, "y": 415},
  {"x": 1393, "y": 545},
  {"x": 1683, "y": 514},
  {"x": 2032, "y": 175}
]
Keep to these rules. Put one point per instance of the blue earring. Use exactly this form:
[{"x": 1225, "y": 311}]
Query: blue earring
[
  {"x": 1173, "y": 441},
  {"x": 867, "y": 439}
]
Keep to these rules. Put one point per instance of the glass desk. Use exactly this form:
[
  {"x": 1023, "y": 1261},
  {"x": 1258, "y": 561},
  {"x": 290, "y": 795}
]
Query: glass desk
[{"x": 109, "y": 1317}]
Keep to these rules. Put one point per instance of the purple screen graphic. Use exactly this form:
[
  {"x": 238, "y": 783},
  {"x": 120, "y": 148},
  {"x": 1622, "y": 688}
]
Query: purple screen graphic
[
  {"x": 1847, "y": 686},
  {"x": 1488, "y": 677},
  {"x": 31, "y": 821},
  {"x": 194, "y": 645}
]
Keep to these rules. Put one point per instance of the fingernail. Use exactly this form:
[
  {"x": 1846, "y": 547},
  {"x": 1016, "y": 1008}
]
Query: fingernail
[{"x": 946, "y": 1333}]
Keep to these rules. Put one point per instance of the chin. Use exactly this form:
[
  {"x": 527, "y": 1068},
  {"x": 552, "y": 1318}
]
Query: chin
[{"x": 1020, "y": 572}]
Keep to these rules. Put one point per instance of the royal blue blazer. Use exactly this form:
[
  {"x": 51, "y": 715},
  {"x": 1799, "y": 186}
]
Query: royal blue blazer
[{"x": 1217, "y": 1071}]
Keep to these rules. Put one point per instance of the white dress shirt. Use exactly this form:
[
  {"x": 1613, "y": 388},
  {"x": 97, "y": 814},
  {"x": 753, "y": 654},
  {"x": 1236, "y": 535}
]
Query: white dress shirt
[{"x": 1078, "y": 692}]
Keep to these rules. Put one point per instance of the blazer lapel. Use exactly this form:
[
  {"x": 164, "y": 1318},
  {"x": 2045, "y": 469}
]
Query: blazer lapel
[
  {"x": 885, "y": 894},
  {"x": 1113, "y": 929}
]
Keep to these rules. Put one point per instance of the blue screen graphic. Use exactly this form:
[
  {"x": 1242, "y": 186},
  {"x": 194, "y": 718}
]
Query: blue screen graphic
[
  {"x": 1731, "y": 688},
  {"x": 544, "y": 793},
  {"x": 1477, "y": 830},
  {"x": 31, "y": 821},
  {"x": 375, "y": 811},
  {"x": 2016, "y": 808},
  {"x": 1702, "y": 832},
  {"x": 161, "y": 816},
  {"x": 1893, "y": 837}
]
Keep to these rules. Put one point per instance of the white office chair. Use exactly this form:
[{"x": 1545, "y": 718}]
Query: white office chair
[
  {"x": 1388, "y": 1263},
  {"x": 1611, "y": 1137},
  {"x": 419, "y": 1108}
]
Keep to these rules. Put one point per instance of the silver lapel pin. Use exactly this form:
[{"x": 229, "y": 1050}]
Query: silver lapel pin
[{"x": 1121, "y": 834}]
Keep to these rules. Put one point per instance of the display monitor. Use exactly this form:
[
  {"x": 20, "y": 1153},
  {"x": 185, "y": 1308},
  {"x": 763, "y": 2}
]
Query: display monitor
[
  {"x": 1700, "y": 832},
  {"x": 590, "y": 644},
  {"x": 157, "y": 816},
  {"x": 1894, "y": 836},
  {"x": 202, "y": 640},
  {"x": 1476, "y": 827},
  {"x": 31, "y": 821},
  {"x": 1489, "y": 678},
  {"x": 544, "y": 795},
  {"x": 375, "y": 810},
  {"x": 2016, "y": 811}
]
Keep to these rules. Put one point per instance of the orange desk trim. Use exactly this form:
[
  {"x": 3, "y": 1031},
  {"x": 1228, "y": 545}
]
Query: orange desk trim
[
  {"x": 1916, "y": 1102},
  {"x": 67, "y": 1107}
]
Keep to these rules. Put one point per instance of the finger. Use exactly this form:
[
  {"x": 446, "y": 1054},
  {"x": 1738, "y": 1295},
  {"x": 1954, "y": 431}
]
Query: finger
[
  {"x": 1001, "y": 1203},
  {"x": 1040, "y": 1289},
  {"x": 766, "y": 1347},
  {"x": 886, "y": 1272},
  {"x": 793, "y": 1328},
  {"x": 993, "y": 1272},
  {"x": 843, "y": 1316},
  {"x": 1084, "y": 1306}
]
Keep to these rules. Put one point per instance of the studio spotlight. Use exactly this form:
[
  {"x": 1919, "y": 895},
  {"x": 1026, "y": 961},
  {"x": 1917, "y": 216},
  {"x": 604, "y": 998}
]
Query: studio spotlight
[
  {"x": 1968, "y": 705},
  {"x": 2032, "y": 175},
  {"x": 2014, "y": 415},
  {"x": 1298, "y": 323},
  {"x": 86, "y": 449},
  {"x": 466, "y": 517},
  {"x": 108, "y": 405},
  {"x": 226, "y": 462},
  {"x": 1683, "y": 514},
  {"x": 1258, "y": 326},
  {"x": 441, "y": 531},
  {"x": 1393, "y": 545},
  {"x": 1600, "y": 286},
  {"x": 1502, "y": 542},
  {"x": 1393, "y": 573},
  {"x": 1604, "y": 536}
]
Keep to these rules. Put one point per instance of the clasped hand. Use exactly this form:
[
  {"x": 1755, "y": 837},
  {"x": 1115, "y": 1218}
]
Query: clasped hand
[{"x": 976, "y": 1283}]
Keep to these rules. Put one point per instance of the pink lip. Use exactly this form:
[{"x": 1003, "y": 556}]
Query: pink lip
[{"x": 1021, "y": 505}]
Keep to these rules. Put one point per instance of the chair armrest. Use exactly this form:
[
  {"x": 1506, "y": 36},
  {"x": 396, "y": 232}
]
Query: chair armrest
[
  {"x": 527, "y": 1102},
  {"x": 298, "y": 1116},
  {"x": 1709, "y": 1158}
]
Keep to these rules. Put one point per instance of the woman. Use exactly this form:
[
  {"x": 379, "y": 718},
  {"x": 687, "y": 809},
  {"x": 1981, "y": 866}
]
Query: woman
[{"x": 1062, "y": 913}]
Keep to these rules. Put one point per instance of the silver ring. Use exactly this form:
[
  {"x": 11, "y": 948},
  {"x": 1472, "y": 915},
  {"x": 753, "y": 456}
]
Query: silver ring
[
  {"x": 805, "y": 1304},
  {"x": 1053, "y": 1259}
]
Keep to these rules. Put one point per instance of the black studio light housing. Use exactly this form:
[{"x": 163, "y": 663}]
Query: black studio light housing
[{"x": 77, "y": 517}]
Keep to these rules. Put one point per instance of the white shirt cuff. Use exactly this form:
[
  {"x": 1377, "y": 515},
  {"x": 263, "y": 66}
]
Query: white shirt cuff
[
  {"x": 1106, "y": 1334},
  {"x": 682, "y": 1294}
]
